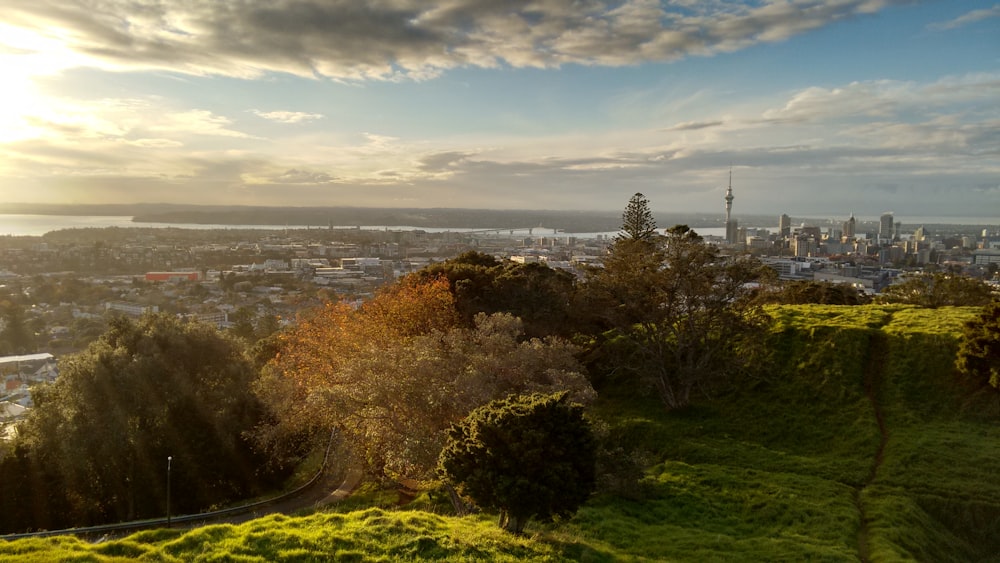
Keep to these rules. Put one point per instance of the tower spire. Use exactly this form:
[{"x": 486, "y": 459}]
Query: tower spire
[
  {"x": 729, "y": 197},
  {"x": 731, "y": 228}
]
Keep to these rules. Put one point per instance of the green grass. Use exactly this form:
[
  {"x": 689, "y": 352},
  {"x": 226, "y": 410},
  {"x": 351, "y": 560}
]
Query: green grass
[{"x": 778, "y": 469}]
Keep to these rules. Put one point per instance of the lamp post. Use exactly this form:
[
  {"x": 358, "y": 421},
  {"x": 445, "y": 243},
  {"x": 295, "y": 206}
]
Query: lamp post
[{"x": 169, "y": 458}]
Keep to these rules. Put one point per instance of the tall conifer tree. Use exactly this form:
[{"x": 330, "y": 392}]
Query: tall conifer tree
[{"x": 637, "y": 220}]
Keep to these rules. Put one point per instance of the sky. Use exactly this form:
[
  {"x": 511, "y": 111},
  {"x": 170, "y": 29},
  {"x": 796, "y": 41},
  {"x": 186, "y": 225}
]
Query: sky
[{"x": 815, "y": 107}]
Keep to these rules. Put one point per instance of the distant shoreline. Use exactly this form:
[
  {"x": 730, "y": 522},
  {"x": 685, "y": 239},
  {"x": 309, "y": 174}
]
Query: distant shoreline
[{"x": 440, "y": 218}]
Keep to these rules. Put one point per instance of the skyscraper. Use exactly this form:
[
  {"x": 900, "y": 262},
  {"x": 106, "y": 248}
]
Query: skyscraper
[
  {"x": 885, "y": 226},
  {"x": 784, "y": 225},
  {"x": 850, "y": 228}
]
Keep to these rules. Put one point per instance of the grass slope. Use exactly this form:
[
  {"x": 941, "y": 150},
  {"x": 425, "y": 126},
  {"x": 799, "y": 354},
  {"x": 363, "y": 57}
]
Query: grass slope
[{"x": 793, "y": 466}]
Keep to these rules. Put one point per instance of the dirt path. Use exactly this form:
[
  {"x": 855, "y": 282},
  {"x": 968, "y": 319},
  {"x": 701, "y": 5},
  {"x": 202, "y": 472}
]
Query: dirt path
[
  {"x": 330, "y": 489},
  {"x": 874, "y": 367}
]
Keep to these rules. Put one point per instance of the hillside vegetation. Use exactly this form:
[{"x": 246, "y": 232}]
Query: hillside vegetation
[{"x": 859, "y": 443}]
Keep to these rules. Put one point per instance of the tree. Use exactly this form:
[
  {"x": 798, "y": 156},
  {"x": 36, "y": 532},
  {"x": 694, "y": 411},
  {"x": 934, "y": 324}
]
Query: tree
[
  {"x": 938, "y": 289},
  {"x": 540, "y": 296},
  {"x": 525, "y": 456},
  {"x": 680, "y": 316},
  {"x": 800, "y": 292},
  {"x": 143, "y": 391},
  {"x": 637, "y": 220},
  {"x": 391, "y": 386},
  {"x": 15, "y": 335},
  {"x": 979, "y": 352},
  {"x": 243, "y": 324}
]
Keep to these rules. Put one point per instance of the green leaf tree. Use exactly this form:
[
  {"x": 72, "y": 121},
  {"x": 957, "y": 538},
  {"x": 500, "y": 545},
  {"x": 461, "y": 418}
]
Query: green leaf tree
[
  {"x": 15, "y": 335},
  {"x": 524, "y": 456},
  {"x": 540, "y": 296},
  {"x": 800, "y": 292},
  {"x": 680, "y": 317},
  {"x": 938, "y": 289},
  {"x": 143, "y": 391},
  {"x": 979, "y": 351}
]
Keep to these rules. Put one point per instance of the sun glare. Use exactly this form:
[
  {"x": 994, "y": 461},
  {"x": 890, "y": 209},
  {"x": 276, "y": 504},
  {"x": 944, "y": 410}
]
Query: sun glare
[
  {"x": 24, "y": 56},
  {"x": 19, "y": 103}
]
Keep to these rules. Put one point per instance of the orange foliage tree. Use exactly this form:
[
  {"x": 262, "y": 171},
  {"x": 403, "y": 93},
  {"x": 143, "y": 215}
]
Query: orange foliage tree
[{"x": 394, "y": 373}]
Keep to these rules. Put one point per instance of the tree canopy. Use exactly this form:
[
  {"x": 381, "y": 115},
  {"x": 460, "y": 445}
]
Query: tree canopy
[
  {"x": 681, "y": 315},
  {"x": 101, "y": 433},
  {"x": 800, "y": 292},
  {"x": 524, "y": 456},
  {"x": 979, "y": 352},
  {"x": 540, "y": 296},
  {"x": 938, "y": 289},
  {"x": 391, "y": 379}
]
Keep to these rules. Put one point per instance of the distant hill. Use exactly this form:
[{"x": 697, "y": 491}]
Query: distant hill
[
  {"x": 563, "y": 220},
  {"x": 858, "y": 443}
]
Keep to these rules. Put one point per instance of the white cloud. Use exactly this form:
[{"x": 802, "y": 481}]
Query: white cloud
[
  {"x": 968, "y": 18},
  {"x": 194, "y": 122},
  {"x": 156, "y": 143},
  {"x": 290, "y": 117}
]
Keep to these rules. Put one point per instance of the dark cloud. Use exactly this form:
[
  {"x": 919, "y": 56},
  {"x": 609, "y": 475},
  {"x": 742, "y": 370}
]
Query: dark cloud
[{"x": 386, "y": 39}]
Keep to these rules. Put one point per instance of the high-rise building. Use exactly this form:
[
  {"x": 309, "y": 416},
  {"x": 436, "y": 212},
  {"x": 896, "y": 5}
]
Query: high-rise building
[
  {"x": 784, "y": 225},
  {"x": 850, "y": 228},
  {"x": 885, "y": 226}
]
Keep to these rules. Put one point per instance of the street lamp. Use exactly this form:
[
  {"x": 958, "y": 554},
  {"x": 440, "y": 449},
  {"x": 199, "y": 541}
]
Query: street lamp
[{"x": 169, "y": 458}]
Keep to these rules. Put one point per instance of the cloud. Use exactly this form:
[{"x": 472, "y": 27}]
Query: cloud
[
  {"x": 694, "y": 125},
  {"x": 290, "y": 117},
  {"x": 884, "y": 98},
  {"x": 442, "y": 161},
  {"x": 396, "y": 39},
  {"x": 156, "y": 143},
  {"x": 294, "y": 176},
  {"x": 195, "y": 122},
  {"x": 968, "y": 18}
]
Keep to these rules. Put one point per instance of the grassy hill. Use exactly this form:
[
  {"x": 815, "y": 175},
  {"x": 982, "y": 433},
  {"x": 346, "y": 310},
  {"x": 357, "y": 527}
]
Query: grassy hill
[{"x": 858, "y": 444}]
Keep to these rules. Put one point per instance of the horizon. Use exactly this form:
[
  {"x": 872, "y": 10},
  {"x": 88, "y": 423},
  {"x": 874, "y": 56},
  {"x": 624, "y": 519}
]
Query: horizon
[
  {"x": 850, "y": 107},
  {"x": 181, "y": 215}
]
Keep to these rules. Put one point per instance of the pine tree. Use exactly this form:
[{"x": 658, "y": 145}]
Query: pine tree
[{"x": 637, "y": 220}]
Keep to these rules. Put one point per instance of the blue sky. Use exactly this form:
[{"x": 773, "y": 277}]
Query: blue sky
[{"x": 820, "y": 107}]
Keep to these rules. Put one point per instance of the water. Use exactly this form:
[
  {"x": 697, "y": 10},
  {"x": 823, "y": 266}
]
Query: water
[{"x": 37, "y": 225}]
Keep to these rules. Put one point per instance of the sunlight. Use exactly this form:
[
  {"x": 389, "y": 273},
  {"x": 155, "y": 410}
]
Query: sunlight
[
  {"x": 24, "y": 56},
  {"x": 19, "y": 103}
]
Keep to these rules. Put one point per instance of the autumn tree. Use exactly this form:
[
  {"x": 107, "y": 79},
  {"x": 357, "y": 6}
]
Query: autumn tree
[
  {"x": 523, "y": 456},
  {"x": 393, "y": 374},
  {"x": 680, "y": 315},
  {"x": 143, "y": 391}
]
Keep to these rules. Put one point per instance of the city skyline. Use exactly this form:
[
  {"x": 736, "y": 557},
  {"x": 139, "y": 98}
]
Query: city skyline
[{"x": 818, "y": 108}]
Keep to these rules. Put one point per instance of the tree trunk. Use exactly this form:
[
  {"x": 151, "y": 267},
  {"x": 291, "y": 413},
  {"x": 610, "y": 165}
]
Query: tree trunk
[
  {"x": 461, "y": 508},
  {"x": 512, "y": 523}
]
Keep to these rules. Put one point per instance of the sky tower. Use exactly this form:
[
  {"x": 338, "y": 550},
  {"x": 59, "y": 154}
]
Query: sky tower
[{"x": 731, "y": 225}]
